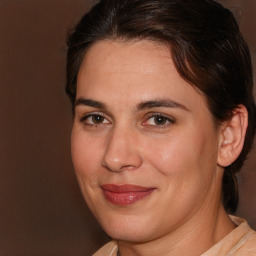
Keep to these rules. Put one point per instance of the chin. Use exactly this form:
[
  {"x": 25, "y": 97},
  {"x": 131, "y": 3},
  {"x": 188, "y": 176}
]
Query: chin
[{"x": 126, "y": 228}]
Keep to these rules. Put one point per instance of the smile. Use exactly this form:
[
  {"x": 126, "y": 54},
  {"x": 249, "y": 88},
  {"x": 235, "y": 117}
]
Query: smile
[{"x": 125, "y": 194}]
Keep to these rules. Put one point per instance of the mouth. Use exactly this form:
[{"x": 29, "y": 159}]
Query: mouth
[{"x": 125, "y": 194}]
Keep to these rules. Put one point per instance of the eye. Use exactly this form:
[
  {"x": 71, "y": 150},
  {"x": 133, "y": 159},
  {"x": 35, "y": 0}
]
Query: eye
[
  {"x": 158, "y": 120},
  {"x": 94, "y": 119}
]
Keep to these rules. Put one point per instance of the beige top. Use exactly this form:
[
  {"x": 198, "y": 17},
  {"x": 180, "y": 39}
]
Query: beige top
[{"x": 240, "y": 242}]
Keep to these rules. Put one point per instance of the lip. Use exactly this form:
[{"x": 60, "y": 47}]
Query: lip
[{"x": 125, "y": 194}]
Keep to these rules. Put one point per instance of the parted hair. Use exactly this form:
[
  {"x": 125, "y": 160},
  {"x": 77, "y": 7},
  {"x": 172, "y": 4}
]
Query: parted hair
[{"x": 207, "y": 48}]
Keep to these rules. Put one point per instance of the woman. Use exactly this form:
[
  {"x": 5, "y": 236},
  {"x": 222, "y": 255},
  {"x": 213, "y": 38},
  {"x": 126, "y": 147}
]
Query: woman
[{"x": 163, "y": 119}]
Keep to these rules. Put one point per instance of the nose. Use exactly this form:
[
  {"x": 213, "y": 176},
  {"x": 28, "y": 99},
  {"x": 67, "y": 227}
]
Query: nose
[{"x": 122, "y": 151}]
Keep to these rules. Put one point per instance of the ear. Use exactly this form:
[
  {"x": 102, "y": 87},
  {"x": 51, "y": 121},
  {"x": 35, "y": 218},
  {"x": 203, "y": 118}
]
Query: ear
[{"x": 232, "y": 135}]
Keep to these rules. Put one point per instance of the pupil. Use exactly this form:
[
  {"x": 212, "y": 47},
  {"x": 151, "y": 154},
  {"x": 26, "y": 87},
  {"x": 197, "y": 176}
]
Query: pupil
[
  {"x": 97, "y": 119},
  {"x": 160, "y": 120}
]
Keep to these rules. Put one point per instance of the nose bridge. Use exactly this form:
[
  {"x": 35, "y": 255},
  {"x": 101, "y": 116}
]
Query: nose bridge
[{"x": 122, "y": 151}]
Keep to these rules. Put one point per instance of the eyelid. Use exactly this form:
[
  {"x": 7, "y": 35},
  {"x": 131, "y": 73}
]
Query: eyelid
[
  {"x": 95, "y": 113},
  {"x": 171, "y": 120}
]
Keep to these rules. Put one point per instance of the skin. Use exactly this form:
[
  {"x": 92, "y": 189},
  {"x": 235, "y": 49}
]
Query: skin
[{"x": 120, "y": 141}]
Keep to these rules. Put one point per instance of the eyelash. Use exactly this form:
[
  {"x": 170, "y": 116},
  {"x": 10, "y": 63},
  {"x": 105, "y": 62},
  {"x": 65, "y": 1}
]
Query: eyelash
[
  {"x": 94, "y": 115},
  {"x": 166, "y": 119}
]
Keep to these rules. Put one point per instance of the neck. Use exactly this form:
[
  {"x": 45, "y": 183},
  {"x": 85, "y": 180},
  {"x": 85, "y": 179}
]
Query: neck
[{"x": 194, "y": 237}]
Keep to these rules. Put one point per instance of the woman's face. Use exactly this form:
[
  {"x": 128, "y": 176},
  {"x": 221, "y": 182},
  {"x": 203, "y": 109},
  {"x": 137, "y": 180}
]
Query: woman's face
[{"x": 144, "y": 145}]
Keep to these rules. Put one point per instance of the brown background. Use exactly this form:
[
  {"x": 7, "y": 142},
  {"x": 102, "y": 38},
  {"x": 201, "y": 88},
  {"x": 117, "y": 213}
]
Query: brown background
[{"x": 41, "y": 209}]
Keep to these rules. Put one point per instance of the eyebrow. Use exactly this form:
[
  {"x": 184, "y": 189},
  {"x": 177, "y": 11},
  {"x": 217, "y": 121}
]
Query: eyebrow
[
  {"x": 90, "y": 103},
  {"x": 157, "y": 103}
]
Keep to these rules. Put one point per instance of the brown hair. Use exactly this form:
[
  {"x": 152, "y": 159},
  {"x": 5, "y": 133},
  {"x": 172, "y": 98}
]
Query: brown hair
[{"x": 208, "y": 51}]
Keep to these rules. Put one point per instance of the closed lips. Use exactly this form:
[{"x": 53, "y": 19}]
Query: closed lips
[{"x": 125, "y": 194}]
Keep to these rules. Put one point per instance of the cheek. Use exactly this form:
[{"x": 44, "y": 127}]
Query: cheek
[
  {"x": 172, "y": 155},
  {"x": 190, "y": 158},
  {"x": 85, "y": 154}
]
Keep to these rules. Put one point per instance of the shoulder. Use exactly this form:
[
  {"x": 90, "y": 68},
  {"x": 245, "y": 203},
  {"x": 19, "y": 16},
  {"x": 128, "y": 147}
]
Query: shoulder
[
  {"x": 244, "y": 238},
  {"x": 240, "y": 242},
  {"x": 109, "y": 249},
  {"x": 246, "y": 245}
]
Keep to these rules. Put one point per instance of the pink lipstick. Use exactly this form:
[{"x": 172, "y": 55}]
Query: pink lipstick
[{"x": 125, "y": 194}]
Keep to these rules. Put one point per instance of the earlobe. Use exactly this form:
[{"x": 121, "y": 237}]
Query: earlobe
[{"x": 232, "y": 135}]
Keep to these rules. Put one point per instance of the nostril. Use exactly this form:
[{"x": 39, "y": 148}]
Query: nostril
[
  {"x": 129, "y": 168},
  {"x": 123, "y": 161}
]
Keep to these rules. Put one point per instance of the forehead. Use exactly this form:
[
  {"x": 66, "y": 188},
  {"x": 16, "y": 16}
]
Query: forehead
[
  {"x": 132, "y": 50},
  {"x": 135, "y": 71},
  {"x": 134, "y": 57}
]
